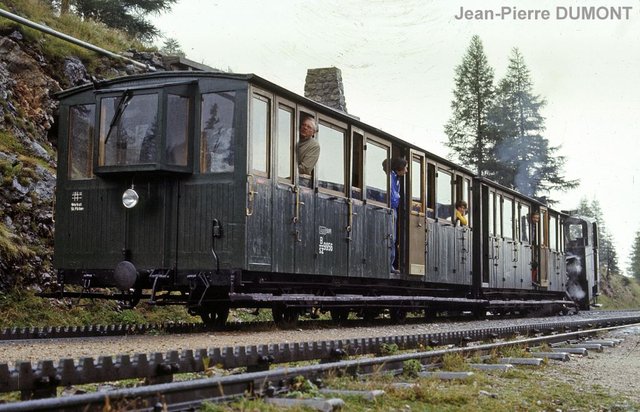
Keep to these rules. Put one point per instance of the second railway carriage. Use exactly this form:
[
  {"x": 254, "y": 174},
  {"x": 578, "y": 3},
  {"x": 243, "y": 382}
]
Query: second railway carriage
[{"x": 182, "y": 188}]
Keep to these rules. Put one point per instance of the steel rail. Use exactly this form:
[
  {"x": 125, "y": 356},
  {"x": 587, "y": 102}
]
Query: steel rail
[
  {"x": 71, "y": 39},
  {"x": 44, "y": 379},
  {"x": 190, "y": 394}
]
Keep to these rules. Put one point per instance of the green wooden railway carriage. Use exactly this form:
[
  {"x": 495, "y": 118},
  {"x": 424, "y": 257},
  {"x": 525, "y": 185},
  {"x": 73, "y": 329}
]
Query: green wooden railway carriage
[{"x": 183, "y": 188}]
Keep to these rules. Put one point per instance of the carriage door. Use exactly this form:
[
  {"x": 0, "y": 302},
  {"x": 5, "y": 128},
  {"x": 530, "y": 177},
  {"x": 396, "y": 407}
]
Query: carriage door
[
  {"x": 332, "y": 206},
  {"x": 355, "y": 211},
  {"x": 417, "y": 216},
  {"x": 285, "y": 218},
  {"x": 494, "y": 220},
  {"x": 543, "y": 264},
  {"x": 258, "y": 205},
  {"x": 463, "y": 235},
  {"x": 304, "y": 200}
]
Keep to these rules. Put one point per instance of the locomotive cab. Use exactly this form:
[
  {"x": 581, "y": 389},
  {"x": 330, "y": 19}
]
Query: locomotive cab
[
  {"x": 582, "y": 260},
  {"x": 124, "y": 151}
]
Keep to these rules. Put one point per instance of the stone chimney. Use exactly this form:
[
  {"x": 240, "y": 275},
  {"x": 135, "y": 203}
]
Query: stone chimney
[{"x": 325, "y": 86}]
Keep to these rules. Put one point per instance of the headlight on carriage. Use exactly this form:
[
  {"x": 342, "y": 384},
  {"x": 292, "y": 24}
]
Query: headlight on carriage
[{"x": 130, "y": 198}]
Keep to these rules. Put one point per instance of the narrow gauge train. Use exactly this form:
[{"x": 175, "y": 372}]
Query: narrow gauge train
[{"x": 183, "y": 188}]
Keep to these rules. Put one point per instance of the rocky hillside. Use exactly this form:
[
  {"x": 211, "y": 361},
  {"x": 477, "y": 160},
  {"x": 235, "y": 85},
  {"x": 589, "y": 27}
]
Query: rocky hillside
[{"x": 33, "y": 67}]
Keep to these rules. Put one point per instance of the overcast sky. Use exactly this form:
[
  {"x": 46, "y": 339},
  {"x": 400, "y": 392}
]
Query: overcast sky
[{"x": 398, "y": 59}]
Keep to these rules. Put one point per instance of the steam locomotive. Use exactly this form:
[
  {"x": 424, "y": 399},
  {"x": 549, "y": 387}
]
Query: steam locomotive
[{"x": 182, "y": 188}]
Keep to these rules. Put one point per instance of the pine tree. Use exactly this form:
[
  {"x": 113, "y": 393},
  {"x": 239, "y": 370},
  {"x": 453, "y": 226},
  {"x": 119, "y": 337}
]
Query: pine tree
[
  {"x": 172, "y": 47},
  {"x": 634, "y": 264},
  {"x": 524, "y": 159},
  {"x": 127, "y": 15},
  {"x": 468, "y": 132},
  {"x": 606, "y": 249}
]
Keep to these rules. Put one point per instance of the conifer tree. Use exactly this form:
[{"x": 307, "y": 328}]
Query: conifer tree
[
  {"x": 634, "y": 264},
  {"x": 469, "y": 136},
  {"x": 127, "y": 15},
  {"x": 606, "y": 250},
  {"x": 524, "y": 159},
  {"x": 172, "y": 47}
]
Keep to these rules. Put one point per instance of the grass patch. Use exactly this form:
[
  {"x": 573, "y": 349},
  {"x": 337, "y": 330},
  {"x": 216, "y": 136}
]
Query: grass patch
[
  {"x": 620, "y": 292},
  {"x": 11, "y": 247},
  {"x": 21, "y": 308}
]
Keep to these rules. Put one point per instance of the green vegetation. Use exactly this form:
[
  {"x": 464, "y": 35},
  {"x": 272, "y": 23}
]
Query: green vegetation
[
  {"x": 525, "y": 389},
  {"x": 56, "y": 50},
  {"x": 619, "y": 292},
  {"x": 11, "y": 247},
  {"x": 21, "y": 308}
]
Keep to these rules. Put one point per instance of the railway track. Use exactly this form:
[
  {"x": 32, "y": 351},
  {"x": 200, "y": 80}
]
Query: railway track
[
  {"x": 88, "y": 331},
  {"x": 260, "y": 378}
]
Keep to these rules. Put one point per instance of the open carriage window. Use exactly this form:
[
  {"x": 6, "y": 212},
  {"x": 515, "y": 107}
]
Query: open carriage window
[
  {"x": 81, "y": 129},
  {"x": 217, "y": 132}
]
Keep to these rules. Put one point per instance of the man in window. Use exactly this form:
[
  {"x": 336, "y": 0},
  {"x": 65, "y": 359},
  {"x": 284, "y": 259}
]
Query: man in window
[{"x": 308, "y": 148}]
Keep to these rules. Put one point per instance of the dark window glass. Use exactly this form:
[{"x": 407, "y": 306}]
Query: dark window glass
[
  {"x": 356, "y": 166},
  {"x": 81, "y": 129},
  {"x": 217, "y": 132},
  {"x": 177, "y": 129},
  {"x": 133, "y": 139},
  {"x": 525, "y": 224}
]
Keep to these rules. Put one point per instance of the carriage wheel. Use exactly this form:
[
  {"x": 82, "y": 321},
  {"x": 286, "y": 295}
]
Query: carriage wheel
[
  {"x": 216, "y": 317},
  {"x": 369, "y": 315},
  {"x": 398, "y": 315},
  {"x": 285, "y": 318},
  {"x": 339, "y": 315}
]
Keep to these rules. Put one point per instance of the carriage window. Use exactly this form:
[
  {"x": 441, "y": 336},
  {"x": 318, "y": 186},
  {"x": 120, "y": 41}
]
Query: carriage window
[
  {"x": 499, "y": 204},
  {"x": 376, "y": 177},
  {"x": 218, "y": 132},
  {"x": 545, "y": 228},
  {"x": 177, "y": 129},
  {"x": 553, "y": 239},
  {"x": 576, "y": 232},
  {"x": 331, "y": 161},
  {"x": 466, "y": 189},
  {"x": 81, "y": 128},
  {"x": 444, "y": 209},
  {"x": 356, "y": 165},
  {"x": 492, "y": 202},
  {"x": 431, "y": 184},
  {"x": 285, "y": 138},
  {"x": 524, "y": 223},
  {"x": 417, "y": 194},
  {"x": 507, "y": 218},
  {"x": 133, "y": 138},
  {"x": 260, "y": 134}
]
